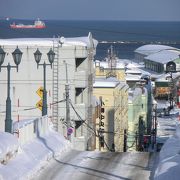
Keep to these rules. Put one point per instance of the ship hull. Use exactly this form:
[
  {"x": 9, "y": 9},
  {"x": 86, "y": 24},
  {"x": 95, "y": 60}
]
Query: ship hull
[
  {"x": 27, "y": 27},
  {"x": 37, "y": 25}
]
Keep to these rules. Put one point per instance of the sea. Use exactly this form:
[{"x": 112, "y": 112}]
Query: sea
[{"x": 124, "y": 36}]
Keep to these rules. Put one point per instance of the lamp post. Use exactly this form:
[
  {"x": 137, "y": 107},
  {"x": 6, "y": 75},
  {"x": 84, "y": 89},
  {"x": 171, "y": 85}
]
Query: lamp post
[
  {"x": 17, "y": 55},
  {"x": 37, "y": 56}
]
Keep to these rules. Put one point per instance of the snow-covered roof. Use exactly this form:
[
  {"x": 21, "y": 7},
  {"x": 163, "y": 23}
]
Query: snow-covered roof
[
  {"x": 133, "y": 93},
  {"x": 131, "y": 65},
  {"x": 131, "y": 77},
  {"x": 78, "y": 41},
  {"x": 133, "y": 71},
  {"x": 103, "y": 82},
  {"x": 105, "y": 65},
  {"x": 120, "y": 65},
  {"x": 162, "y": 79},
  {"x": 152, "y": 48},
  {"x": 164, "y": 56}
]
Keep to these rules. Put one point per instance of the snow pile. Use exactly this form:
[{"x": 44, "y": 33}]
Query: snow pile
[
  {"x": 169, "y": 160},
  {"x": 8, "y": 146},
  {"x": 34, "y": 156}
]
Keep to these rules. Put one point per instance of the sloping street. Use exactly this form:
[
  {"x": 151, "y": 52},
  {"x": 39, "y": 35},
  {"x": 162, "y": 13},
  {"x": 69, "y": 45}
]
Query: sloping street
[{"x": 89, "y": 165}]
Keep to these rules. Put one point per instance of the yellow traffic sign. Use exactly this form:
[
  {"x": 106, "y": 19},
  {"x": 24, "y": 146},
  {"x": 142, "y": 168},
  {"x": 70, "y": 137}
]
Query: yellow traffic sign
[
  {"x": 40, "y": 92},
  {"x": 39, "y": 104}
]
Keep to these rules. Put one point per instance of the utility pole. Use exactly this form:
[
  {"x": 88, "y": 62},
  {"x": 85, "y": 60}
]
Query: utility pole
[
  {"x": 125, "y": 140},
  {"x": 69, "y": 130},
  {"x": 136, "y": 140},
  {"x": 140, "y": 133},
  {"x": 154, "y": 124},
  {"x": 171, "y": 95},
  {"x": 155, "y": 130}
]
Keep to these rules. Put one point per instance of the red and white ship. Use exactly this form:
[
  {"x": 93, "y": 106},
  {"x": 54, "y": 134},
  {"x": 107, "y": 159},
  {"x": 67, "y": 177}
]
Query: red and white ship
[{"x": 37, "y": 25}]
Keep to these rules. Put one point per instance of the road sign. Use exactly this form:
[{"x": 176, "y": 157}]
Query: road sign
[
  {"x": 39, "y": 104},
  {"x": 70, "y": 131},
  {"x": 40, "y": 92}
]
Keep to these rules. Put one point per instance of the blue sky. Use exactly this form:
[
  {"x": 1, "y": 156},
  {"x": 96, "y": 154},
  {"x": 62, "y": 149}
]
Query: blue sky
[{"x": 161, "y": 10}]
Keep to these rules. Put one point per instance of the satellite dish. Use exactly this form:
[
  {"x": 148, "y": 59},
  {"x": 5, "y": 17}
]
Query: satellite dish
[{"x": 62, "y": 40}]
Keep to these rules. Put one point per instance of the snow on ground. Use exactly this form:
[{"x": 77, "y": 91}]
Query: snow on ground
[
  {"x": 34, "y": 155},
  {"x": 8, "y": 145},
  {"x": 169, "y": 160},
  {"x": 166, "y": 126},
  {"x": 166, "y": 122},
  {"x": 168, "y": 131}
]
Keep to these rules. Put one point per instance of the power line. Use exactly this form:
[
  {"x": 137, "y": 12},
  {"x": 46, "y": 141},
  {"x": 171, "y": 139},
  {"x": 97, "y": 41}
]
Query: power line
[
  {"x": 30, "y": 107},
  {"x": 82, "y": 121},
  {"x": 93, "y": 130},
  {"x": 122, "y": 106}
]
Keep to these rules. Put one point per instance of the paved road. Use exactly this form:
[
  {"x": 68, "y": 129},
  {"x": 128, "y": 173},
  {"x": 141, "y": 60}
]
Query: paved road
[{"x": 90, "y": 165}]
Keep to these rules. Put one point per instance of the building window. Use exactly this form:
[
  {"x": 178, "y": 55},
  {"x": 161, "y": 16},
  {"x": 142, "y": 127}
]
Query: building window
[
  {"x": 79, "y": 97},
  {"x": 101, "y": 69},
  {"x": 79, "y": 63}
]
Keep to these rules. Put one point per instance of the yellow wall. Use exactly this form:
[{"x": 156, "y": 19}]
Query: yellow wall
[
  {"x": 103, "y": 72},
  {"x": 116, "y": 115}
]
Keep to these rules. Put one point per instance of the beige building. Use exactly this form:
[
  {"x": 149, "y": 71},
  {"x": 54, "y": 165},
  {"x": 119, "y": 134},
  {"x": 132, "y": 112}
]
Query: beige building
[
  {"x": 105, "y": 69},
  {"x": 96, "y": 118},
  {"x": 113, "y": 120}
]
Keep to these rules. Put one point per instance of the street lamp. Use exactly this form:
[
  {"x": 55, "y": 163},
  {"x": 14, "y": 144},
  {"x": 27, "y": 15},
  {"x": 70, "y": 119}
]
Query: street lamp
[
  {"x": 37, "y": 56},
  {"x": 17, "y": 55}
]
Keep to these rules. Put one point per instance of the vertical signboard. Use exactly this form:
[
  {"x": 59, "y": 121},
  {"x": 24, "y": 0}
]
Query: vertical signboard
[{"x": 40, "y": 94}]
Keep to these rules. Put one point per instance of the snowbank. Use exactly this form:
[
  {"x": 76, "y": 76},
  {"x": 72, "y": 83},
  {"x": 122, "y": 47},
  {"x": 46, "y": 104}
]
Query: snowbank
[
  {"x": 8, "y": 146},
  {"x": 34, "y": 155},
  {"x": 169, "y": 160}
]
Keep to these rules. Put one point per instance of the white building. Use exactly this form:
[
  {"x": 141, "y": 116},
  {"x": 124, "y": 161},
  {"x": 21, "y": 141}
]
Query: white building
[
  {"x": 148, "y": 49},
  {"x": 156, "y": 57},
  {"x": 77, "y": 54}
]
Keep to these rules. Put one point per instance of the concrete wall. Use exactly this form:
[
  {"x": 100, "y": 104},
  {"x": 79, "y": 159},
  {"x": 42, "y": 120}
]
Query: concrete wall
[
  {"x": 80, "y": 79},
  {"x": 27, "y": 130},
  {"x": 24, "y": 84},
  {"x": 29, "y": 79}
]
